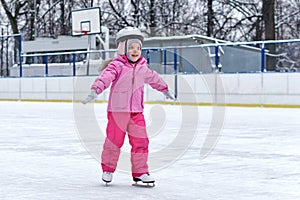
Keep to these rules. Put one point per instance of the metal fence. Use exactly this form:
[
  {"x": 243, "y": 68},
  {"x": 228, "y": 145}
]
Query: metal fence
[{"x": 238, "y": 57}]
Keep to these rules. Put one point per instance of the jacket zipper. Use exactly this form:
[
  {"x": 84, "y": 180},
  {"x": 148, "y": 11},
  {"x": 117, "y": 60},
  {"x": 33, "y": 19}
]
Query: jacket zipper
[{"x": 132, "y": 88}]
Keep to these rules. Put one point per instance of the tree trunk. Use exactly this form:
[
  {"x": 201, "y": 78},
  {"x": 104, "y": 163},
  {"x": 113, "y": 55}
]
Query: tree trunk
[
  {"x": 32, "y": 21},
  {"x": 152, "y": 18},
  {"x": 210, "y": 18},
  {"x": 63, "y": 21},
  {"x": 269, "y": 23}
]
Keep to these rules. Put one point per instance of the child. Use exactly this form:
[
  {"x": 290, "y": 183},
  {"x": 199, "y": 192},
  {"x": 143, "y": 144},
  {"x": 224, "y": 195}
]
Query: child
[{"x": 128, "y": 72}]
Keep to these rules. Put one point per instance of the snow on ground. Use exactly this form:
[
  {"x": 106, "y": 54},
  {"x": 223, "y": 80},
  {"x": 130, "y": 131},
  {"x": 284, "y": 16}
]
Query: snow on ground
[{"x": 257, "y": 155}]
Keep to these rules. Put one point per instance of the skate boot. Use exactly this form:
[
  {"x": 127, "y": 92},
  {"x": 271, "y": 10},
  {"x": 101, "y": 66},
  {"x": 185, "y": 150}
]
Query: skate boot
[
  {"x": 107, "y": 177},
  {"x": 146, "y": 180}
]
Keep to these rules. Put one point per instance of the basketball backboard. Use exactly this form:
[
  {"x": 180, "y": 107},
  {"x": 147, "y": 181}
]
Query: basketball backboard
[{"x": 86, "y": 21}]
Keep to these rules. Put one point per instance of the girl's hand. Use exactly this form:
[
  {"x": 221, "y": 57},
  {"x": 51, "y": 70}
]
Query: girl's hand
[
  {"x": 90, "y": 97},
  {"x": 169, "y": 95}
]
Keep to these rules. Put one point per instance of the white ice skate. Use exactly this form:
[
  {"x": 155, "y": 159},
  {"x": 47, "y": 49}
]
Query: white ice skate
[
  {"x": 107, "y": 177},
  {"x": 144, "y": 180}
]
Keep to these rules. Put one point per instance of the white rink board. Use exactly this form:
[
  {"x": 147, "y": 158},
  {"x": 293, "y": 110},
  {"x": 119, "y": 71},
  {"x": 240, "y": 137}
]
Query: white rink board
[{"x": 260, "y": 89}]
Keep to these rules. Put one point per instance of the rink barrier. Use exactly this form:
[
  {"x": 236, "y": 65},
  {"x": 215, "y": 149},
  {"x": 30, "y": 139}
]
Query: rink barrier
[
  {"x": 163, "y": 103},
  {"x": 247, "y": 90}
]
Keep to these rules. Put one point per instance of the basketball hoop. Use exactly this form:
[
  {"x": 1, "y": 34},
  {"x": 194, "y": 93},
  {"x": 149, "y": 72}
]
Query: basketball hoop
[
  {"x": 86, "y": 21},
  {"x": 83, "y": 32}
]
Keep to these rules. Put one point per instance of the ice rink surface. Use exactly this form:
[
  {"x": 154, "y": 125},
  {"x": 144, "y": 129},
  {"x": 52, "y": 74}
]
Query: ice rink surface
[{"x": 257, "y": 156}]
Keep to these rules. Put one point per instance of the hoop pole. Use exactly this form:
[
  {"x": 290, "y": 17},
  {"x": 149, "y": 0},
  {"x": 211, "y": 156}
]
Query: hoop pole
[{"x": 88, "y": 56}]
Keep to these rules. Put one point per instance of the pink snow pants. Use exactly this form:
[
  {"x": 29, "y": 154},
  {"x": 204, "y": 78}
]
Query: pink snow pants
[{"x": 118, "y": 124}]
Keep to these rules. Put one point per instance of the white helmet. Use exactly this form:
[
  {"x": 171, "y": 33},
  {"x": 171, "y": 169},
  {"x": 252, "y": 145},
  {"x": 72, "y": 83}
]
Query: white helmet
[{"x": 129, "y": 33}]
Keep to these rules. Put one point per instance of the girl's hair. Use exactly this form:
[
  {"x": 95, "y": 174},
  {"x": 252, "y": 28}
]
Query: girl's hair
[{"x": 105, "y": 64}]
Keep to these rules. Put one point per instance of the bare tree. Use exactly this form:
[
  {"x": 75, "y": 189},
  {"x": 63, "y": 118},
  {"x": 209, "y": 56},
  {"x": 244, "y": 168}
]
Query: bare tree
[
  {"x": 14, "y": 10},
  {"x": 234, "y": 20},
  {"x": 288, "y": 19},
  {"x": 237, "y": 20}
]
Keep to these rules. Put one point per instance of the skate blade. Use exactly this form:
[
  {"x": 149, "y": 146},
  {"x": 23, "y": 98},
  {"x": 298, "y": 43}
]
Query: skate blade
[
  {"x": 106, "y": 182},
  {"x": 146, "y": 185}
]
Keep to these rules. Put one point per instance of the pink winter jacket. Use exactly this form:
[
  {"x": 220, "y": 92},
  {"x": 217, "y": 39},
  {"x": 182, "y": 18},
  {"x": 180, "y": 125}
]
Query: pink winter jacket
[{"x": 127, "y": 89}]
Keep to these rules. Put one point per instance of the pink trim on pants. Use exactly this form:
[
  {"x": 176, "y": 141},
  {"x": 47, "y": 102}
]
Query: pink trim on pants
[{"x": 118, "y": 124}]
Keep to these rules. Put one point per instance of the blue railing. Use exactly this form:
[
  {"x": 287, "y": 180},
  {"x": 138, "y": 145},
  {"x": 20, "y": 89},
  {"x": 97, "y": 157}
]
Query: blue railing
[
  {"x": 262, "y": 45},
  {"x": 204, "y": 58}
]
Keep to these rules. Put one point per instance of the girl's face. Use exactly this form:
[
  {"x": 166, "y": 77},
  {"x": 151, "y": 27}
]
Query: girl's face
[{"x": 134, "y": 51}]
